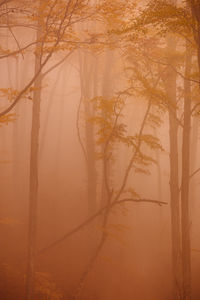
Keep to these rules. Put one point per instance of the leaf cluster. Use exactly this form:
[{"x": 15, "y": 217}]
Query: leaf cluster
[{"x": 165, "y": 17}]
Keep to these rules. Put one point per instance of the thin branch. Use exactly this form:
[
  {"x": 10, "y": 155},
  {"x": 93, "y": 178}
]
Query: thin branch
[
  {"x": 160, "y": 203},
  {"x": 128, "y": 169},
  {"x": 78, "y": 111},
  {"x": 58, "y": 63},
  {"x": 23, "y": 91},
  {"x": 59, "y": 38},
  {"x": 194, "y": 107},
  {"x": 175, "y": 116},
  {"x": 98, "y": 213},
  {"x": 18, "y": 45},
  {"x": 17, "y": 51},
  {"x": 78, "y": 130},
  {"x": 117, "y": 115},
  {"x": 194, "y": 173},
  {"x": 173, "y": 68}
]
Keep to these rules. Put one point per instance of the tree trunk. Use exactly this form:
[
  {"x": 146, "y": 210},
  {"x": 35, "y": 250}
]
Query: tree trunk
[
  {"x": 33, "y": 179},
  {"x": 174, "y": 184},
  {"x": 195, "y": 10},
  {"x": 87, "y": 66},
  {"x": 185, "y": 216},
  {"x": 106, "y": 93}
]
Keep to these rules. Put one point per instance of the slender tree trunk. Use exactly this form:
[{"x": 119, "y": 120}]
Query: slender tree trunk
[
  {"x": 194, "y": 161},
  {"x": 195, "y": 10},
  {"x": 174, "y": 179},
  {"x": 185, "y": 215},
  {"x": 175, "y": 208},
  {"x": 159, "y": 172},
  {"x": 47, "y": 115},
  {"x": 33, "y": 180},
  {"x": 106, "y": 93},
  {"x": 87, "y": 69}
]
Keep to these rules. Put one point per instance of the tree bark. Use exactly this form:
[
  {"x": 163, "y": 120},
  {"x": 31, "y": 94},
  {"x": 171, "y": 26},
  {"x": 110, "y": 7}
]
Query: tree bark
[
  {"x": 87, "y": 76},
  {"x": 33, "y": 179},
  {"x": 185, "y": 215},
  {"x": 106, "y": 93},
  {"x": 174, "y": 176}
]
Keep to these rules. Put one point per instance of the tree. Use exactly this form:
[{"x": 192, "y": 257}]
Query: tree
[
  {"x": 167, "y": 17},
  {"x": 52, "y": 23},
  {"x": 88, "y": 83},
  {"x": 33, "y": 184},
  {"x": 185, "y": 184}
]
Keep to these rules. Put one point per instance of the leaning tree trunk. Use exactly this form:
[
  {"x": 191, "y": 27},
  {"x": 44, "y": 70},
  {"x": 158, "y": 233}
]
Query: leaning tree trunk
[
  {"x": 33, "y": 179},
  {"x": 185, "y": 216}
]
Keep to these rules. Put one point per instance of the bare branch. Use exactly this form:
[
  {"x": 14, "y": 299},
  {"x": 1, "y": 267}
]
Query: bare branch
[
  {"x": 57, "y": 64},
  {"x": 194, "y": 173},
  {"x": 128, "y": 169},
  {"x": 78, "y": 113},
  {"x": 173, "y": 68},
  {"x": 160, "y": 203},
  {"x": 14, "y": 37},
  {"x": 98, "y": 213},
  {"x": 60, "y": 34},
  {"x": 194, "y": 107},
  {"x": 17, "y": 51}
]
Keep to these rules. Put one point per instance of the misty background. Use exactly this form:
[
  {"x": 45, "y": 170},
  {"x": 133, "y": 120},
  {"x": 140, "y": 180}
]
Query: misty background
[{"x": 99, "y": 166}]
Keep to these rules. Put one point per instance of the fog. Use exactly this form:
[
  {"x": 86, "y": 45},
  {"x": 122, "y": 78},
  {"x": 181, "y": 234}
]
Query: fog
[{"x": 99, "y": 164}]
